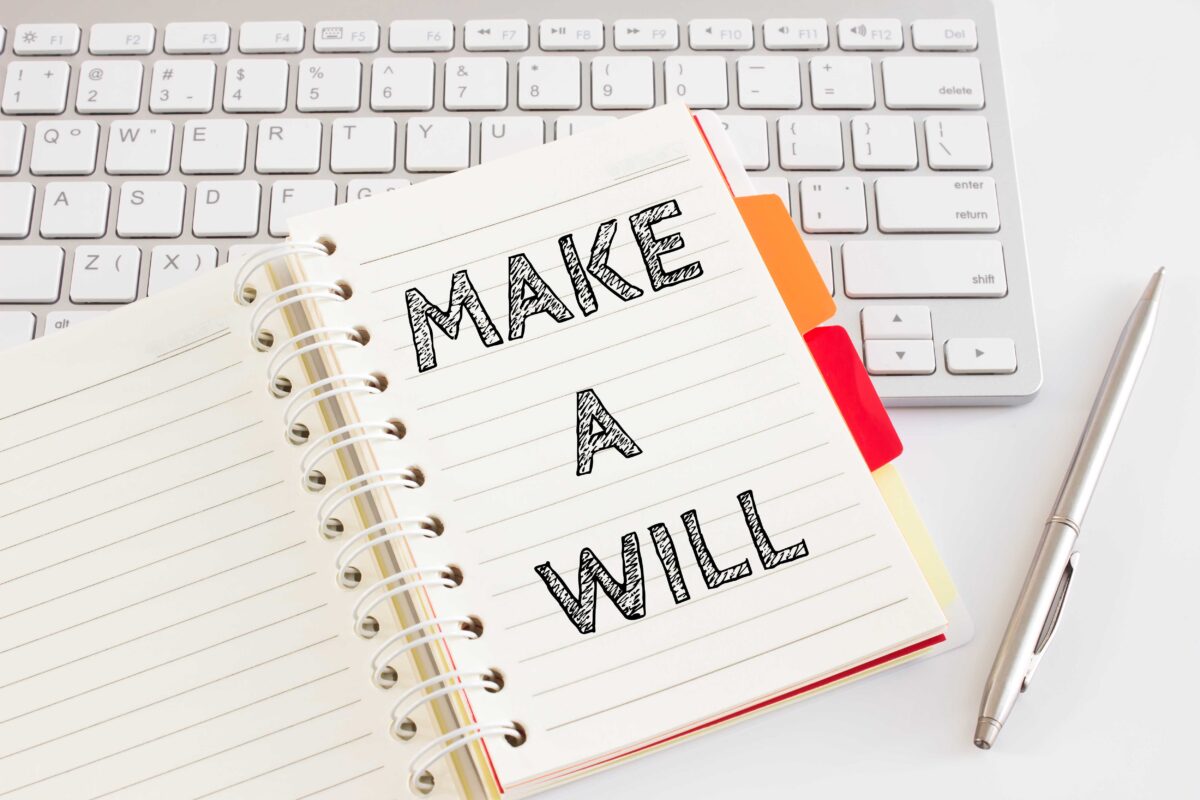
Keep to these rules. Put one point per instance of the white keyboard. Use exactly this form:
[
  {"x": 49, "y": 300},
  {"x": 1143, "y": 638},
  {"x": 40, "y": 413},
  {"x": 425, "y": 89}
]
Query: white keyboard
[{"x": 141, "y": 144}]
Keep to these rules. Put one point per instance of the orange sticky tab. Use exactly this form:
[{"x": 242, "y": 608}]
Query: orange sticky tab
[{"x": 779, "y": 243}]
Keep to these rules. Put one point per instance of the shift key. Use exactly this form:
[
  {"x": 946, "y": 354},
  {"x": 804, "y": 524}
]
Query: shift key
[{"x": 937, "y": 205}]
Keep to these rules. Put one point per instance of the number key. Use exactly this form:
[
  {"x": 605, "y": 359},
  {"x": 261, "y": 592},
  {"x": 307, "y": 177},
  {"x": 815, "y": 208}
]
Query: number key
[
  {"x": 36, "y": 87},
  {"x": 699, "y": 81},
  {"x": 623, "y": 82},
  {"x": 329, "y": 84},
  {"x": 476, "y": 84},
  {"x": 181, "y": 86},
  {"x": 109, "y": 87},
  {"x": 546, "y": 83}
]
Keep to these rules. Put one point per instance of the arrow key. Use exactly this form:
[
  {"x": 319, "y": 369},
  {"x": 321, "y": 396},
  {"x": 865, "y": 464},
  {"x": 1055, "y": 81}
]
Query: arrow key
[
  {"x": 899, "y": 356},
  {"x": 994, "y": 356},
  {"x": 896, "y": 322}
]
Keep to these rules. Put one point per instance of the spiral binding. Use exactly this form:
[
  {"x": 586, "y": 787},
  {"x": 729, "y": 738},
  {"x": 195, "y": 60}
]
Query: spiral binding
[{"x": 304, "y": 398}]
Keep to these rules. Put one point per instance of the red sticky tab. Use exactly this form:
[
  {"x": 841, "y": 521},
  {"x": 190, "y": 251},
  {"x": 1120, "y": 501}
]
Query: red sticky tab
[{"x": 854, "y": 394}]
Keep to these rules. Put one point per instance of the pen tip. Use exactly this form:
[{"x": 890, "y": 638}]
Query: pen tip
[{"x": 986, "y": 731}]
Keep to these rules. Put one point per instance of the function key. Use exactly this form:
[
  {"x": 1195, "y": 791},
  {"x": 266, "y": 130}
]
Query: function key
[
  {"x": 421, "y": 35},
  {"x": 346, "y": 36},
  {"x": 46, "y": 40},
  {"x": 196, "y": 37},
  {"x": 721, "y": 34},
  {"x": 646, "y": 34},
  {"x": 870, "y": 34},
  {"x": 271, "y": 37},
  {"x": 121, "y": 38},
  {"x": 571, "y": 34},
  {"x": 496, "y": 34},
  {"x": 944, "y": 34},
  {"x": 795, "y": 34}
]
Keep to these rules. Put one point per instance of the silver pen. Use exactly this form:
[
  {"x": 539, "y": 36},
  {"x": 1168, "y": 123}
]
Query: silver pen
[{"x": 1038, "y": 608}]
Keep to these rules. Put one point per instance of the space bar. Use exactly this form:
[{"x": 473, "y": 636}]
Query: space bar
[{"x": 919, "y": 268}]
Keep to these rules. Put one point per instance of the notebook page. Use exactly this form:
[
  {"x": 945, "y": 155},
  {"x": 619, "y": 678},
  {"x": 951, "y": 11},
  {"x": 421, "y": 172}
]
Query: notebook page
[
  {"x": 169, "y": 626},
  {"x": 706, "y": 376}
]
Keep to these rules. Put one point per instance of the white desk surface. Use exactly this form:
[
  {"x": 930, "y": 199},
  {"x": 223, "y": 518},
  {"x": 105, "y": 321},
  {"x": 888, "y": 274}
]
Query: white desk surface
[{"x": 1107, "y": 132}]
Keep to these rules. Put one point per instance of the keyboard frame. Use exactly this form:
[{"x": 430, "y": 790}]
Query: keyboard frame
[{"x": 1011, "y": 316}]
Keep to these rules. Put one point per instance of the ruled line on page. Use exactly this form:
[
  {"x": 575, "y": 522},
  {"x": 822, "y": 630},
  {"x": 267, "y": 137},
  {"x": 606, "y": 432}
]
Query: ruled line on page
[
  {"x": 637, "y": 173},
  {"x": 580, "y": 356},
  {"x": 122, "y": 407},
  {"x": 728, "y": 666},
  {"x": 565, "y": 201},
  {"x": 708, "y": 415},
  {"x": 284, "y": 766},
  {"x": 743, "y": 473},
  {"x": 615, "y": 410},
  {"x": 714, "y": 632},
  {"x": 342, "y": 782},
  {"x": 205, "y": 339},
  {"x": 607, "y": 380},
  {"x": 694, "y": 602},
  {"x": 738, "y": 548}
]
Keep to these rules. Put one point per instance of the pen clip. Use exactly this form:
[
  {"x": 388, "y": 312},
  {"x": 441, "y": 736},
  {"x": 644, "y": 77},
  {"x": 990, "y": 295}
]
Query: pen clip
[{"x": 1052, "y": 616}]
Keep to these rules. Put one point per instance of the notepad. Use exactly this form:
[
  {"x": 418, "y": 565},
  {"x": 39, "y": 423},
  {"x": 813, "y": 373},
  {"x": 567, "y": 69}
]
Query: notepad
[{"x": 547, "y": 425}]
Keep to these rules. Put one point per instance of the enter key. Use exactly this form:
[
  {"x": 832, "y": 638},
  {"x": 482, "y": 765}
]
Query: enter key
[{"x": 937, "y": 205}]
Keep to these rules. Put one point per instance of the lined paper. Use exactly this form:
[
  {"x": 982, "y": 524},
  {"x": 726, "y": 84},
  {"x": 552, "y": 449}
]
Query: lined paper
[
  {"x": 711, "y": 380},
  {"x": 168, "y": 623}
]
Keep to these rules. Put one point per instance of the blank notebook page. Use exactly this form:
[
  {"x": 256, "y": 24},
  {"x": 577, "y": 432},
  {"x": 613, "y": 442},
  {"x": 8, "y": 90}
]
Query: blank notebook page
[
  {"x": 711, "y": 380},
  {"x": 169, "y": 626}
]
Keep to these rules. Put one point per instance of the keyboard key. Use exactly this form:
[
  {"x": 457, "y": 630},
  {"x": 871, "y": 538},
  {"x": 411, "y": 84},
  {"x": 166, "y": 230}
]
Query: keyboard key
[
  {"x": 292, "y": 198},
  {"x": 196, "y": 37},
  {"x": 646, "y": 34},
  {"x": 109, "y": 87},
  {"x": 12, "y": 140},
  {"x": 842, "y": 82},
  {"x": 923, "y": 268},
  {"x": 139, "y": 147},
  {"x": 956, "y": 142},
  {"x": 121, "y": 38},
  {"x": 476, "y": 84},
  {"x": 576, "y": 123},
  {"x": 884, "y": 142},
  {"x": 182, "y": 86},
  {"x": 421, "y": 35},
  {"x": 899, "y": 356},
  {"x": 64, "y": 148},
  {"x": 749, "y": 135},
  {"x": 172, "y": 264},
  {"x": 363, "y": 144},
  {"x": 937, "y": 205},
  {"x": 16, "y": 327},
  {"x": 402, "y": 84},
  {"x": 932, "y": 82},
  {"x": 571, "y": 34},
  {"x": 496, "y": 34},
  {"x": 992, "y": 356},
  {"x": 46, "y": 39},
  {"x": 105, "y": 274},
  {"x": 896, "y": 322},
  {"x": 78, "y": 210},
  {"x": 226, "y": 208},
  {"x": 822, "y": 256},
  {"x": 271, "y": 37},
  {"x": 833, "y": 205},
  {"x": 359, "y": 188},
  {"x": 721, "y": 34},
  {"x": 776, "y": 186},
  {"x": 437, "y": 144},
  {"x": 16, "y": 210},
  {"x": 346, "y": 36},
  {"x": 810, "y": 141},
  {"x": 795, "y": 34},
  {"x": 329, "y": 84},
  {"x": 36, "y": 87},
  {"x": 255, "y": 85},
  {"x": 30, "y": 274},
  {"x": 59, "y": 321},
  {"x": 214, "y": 147},
  {"x": 548, "y": 82},
  {"x": 3, "y": 34},
  {"x": 288, "y": 145},
  {"x": 622, "y": 82},
  {"x": 150, "y": 209},
  {"x": 944, "y": 34},
  {"x": 699, "y": 81},
  {"x": 501, "y": 136},
  {"x": 768, "y": 82},
  {"x": 870, "y": 34}
]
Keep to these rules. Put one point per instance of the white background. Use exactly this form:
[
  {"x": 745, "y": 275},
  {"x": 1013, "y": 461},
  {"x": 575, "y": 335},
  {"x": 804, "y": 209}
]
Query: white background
[{"x": 1106, "y": 123}]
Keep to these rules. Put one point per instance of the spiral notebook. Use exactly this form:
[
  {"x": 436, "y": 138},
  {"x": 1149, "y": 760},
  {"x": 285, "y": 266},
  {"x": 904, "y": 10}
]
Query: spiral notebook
[{"x": 472, "y": 488}]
